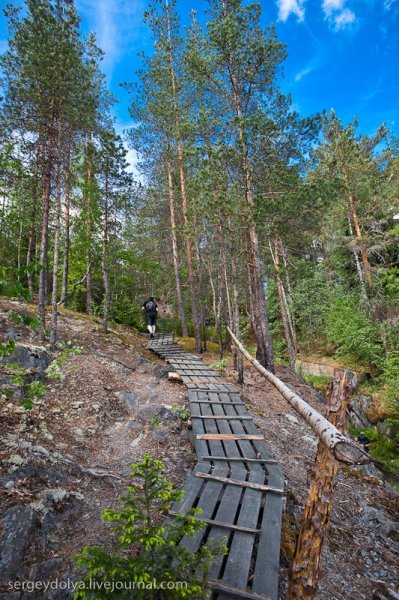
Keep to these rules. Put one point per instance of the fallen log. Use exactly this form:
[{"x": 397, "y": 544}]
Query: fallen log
[{"x": 343, "y": 448}]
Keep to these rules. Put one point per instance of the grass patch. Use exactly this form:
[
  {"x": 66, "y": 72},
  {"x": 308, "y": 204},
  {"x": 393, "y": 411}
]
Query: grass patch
[
  {"x": 384, "y": 449},
  {"x": 319, "y": 382}
]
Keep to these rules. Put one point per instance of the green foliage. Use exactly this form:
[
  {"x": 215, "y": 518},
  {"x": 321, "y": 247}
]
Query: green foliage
[
  {"x": 319, "y": 382},
  {"x": 219, "y": 364},
  {"x": 34, "y": 390},
  {"x": 18, "y": 374},
  {"x": 155, "y": 422},
  {"x": 390, "y": 379},
  {"x": 310, "y": 300},
  {"x": 24, "y": 318},
  {"x": 383, "y": 448},
  {"x": 7, "y": 348},
  {"x": 353, "y": 332},
  {"x": 127, "y": 311},
  {"x": 146, "y": 553},
  {"x": 67, "y": 349},
  {"x": 388, "y": 279},
  {"x": 181, "y": 413},
  {"x": 12, "y": 286}
]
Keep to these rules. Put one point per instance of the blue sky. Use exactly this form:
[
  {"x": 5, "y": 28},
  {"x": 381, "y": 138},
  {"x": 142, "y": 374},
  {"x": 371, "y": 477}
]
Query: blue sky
[{"x": 342, "y": 54}]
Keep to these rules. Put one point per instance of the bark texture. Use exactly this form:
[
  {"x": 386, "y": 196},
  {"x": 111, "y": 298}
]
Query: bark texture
[{"x": 316, "y": 516}]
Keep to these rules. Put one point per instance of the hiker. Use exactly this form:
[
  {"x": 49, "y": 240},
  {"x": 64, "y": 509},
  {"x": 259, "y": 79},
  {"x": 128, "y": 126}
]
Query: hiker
[{"x": 150, "y": 309}]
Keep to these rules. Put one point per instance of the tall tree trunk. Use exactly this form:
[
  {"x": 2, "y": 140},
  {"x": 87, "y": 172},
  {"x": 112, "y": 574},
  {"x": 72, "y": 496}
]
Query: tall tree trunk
[
  {"x": 175, "y": 251},
  {"x": 54, "y": 306},
  {"x": 283, "y": 305},
  {"x": 360, "y": 274},
  {"x": 238, "y": 359},
  {"x": 89, "y": 227},
  {"x": 183, "y": 190},
  {"x": 107, "y": 295},
  {"x": 316, "y": 516},
  {"x": 32, "y": 231},
  {"x": 46, "y": 168},
  {"x": 261, "y": 327},
  {"x": 358, "y": 230},
  {"x": 288, "y": 297},
  {"x": 68, "y": 184}
]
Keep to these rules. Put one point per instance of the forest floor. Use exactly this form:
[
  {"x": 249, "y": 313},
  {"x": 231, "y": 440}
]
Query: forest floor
[{"x": 68, "y": 458}]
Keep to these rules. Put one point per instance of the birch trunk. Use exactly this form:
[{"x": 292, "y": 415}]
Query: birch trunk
[
  {"x": 282, "y": 303},
  {"x": 343, "y": 449},
  {"x": 239, "y": 363}
]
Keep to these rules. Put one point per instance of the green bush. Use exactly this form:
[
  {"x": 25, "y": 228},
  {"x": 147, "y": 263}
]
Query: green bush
[
  {"x": 353, "y": 332},
  {"x": 127, "y": 312},
  {"x": 147, "y": 552}
]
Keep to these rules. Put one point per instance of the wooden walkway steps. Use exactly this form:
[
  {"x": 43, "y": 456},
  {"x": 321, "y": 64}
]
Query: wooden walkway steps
[{"x": 236, "y": 482}]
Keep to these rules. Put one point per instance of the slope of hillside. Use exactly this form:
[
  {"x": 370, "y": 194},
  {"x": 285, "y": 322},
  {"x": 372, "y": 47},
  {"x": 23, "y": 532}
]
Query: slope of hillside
[{"x": 108, "y": 404}]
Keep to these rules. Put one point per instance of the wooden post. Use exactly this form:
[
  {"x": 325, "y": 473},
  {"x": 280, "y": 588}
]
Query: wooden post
[{"x": 316, "y": 516}]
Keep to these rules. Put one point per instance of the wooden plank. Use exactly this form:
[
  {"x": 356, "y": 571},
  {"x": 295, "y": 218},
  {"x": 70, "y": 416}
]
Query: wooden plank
[
  {"x": 247, "y": 484},
  {"x": 230, "y": 501},
  {"x": 224, "y": 417},
  {"x": 224, "y": 436},
  {"x": 239, "y": 561},
  {"x": 220, "y": 523},
  {"x": 241, "y": 459},
  {"x": 210, "y": 493},
  {"x": 236, "y": 592},
  {"x": 218, "y": 402}
]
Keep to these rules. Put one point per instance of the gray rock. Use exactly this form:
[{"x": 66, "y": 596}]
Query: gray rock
[
  {"x": 358, "y": 407},
  {"x": 29, "y": 357},
  {"x": 19, "y": 524},
  {"x": 150, "y": 411},
  {"x": 12, "y": 334},
  {"x": 130, "y": 398},
  {"x": 44, "y": 570},
  {"x": 161, "y": 436},
  {"x": 291, "y": 418},
  {"x": 161, "y": 371}
]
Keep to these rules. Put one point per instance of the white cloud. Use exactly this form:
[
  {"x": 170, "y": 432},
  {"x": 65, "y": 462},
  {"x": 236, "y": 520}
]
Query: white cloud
[
  {"x": 302, "y": 74},
  {"x": 117, "y": 26},
  {"x": 336, "y": 13},
  {"x": 346, "y": 17},
  {"x": 329, "y": 6},
  {"x": 286, "y": 7},
  {"x": 388, "y": 4}
]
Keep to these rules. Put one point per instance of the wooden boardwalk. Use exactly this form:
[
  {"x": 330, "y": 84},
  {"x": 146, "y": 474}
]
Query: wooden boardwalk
[{"x": 236, "y": 482}]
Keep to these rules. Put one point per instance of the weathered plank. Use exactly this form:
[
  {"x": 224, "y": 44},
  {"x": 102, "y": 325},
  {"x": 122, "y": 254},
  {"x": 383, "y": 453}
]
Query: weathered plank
[
  {"x": 246, "y": 484},
  {"x": 229, "y": 436}
]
